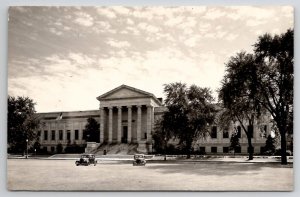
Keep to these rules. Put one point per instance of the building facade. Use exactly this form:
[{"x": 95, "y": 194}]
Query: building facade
[{"x": 127, "y": 115}]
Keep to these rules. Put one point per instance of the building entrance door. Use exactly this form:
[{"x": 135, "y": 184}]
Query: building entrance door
[{"x": 125, "y": 134}]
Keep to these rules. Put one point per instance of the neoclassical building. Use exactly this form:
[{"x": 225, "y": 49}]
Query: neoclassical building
[{"x": 127, "y": 115}]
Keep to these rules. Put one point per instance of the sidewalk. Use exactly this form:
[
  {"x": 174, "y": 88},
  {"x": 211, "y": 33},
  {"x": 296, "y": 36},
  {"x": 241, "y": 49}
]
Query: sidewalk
[{"x": 160, "y": 158}]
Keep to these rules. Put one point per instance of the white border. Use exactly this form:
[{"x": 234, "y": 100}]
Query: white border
[{"x": 3, "y": 91}]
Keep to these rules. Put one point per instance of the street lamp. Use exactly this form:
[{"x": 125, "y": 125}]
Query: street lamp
[
  {"x": 26, "y": 148},
  {"x": 165, "y": 158}
]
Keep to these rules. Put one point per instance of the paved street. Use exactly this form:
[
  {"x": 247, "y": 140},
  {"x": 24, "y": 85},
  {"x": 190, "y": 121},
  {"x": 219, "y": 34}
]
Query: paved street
[{"x": 62, "y": 175}]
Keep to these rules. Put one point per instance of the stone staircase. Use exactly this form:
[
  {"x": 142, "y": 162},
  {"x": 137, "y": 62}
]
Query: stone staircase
[{"x": 119, "y": 149}]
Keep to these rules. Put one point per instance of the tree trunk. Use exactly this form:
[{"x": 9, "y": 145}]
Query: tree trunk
[
  {"x": 188, "y": 149},
  {"x": 250, "y": 148},
  {"x": 283, "y": 147}
]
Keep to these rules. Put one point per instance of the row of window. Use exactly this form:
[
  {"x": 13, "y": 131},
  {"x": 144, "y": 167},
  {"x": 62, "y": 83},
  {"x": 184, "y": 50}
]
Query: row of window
[
  {"x": 60, "y": 135},
  {"x": 215, "y": 149},
  {"x": 214, "y": 131}
]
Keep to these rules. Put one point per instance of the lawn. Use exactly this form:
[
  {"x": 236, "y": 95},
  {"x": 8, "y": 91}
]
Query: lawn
[{"x": 63, "y": 175}]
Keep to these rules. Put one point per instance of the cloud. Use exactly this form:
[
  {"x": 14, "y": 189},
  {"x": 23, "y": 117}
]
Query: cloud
[
  {"x": 102, "y": 27},
  {"x": 133, "y": 30},
  {"x": 192, "y": 41},
  {"x": 148, "y": 28},
  {"x": 121, "y": 10},
  {"x": 253, "y": 22},
  {"x": 118, "y": 44},
  {"x": 213, "y": 13},
  {"x": 129, "y": 21},
  {"x": 64, "y": 57},
  {"x": 107, "y": 12},
  {"x": 55, "y": 31},
  {"x": 231, "y": 37},
  {"x": 84, "y": 19},
  {"x": 288, "y": 11},
  {"x": 174, "y": 21},
  {"x": 258, "y": 13},
  {"x": 188, "y": 22},
  {"x": 82, "y": 59}
]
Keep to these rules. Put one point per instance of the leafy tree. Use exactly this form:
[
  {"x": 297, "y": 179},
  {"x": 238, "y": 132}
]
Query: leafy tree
[
  {"x": 74, "y": 148},
  {"x": 36, "y": 147},
  {"x": 234, "y": 143},
  {"x": 189, "y": 112},
  {"x": 92, "y": 130},
  {"x": 263, "y": 81},
  {"x": 22, "y": 123},
  {"x": 160, "y": 137},
  {"x": 237, "y": 95},
  {"x": 59, "y": 148},
  {"x": 270, "y": 146},
  {"x": 274, "y": 83}
]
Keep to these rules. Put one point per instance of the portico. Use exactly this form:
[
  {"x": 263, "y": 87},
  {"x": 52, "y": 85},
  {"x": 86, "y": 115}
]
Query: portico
[{"x": 127, "y": 115}]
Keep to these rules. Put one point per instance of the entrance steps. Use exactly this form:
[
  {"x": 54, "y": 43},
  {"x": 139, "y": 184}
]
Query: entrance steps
[{"x": 114, "y": 148}]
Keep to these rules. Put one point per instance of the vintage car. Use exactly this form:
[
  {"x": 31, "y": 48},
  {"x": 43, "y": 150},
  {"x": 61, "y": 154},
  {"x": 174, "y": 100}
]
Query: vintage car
[
  {"x": 139, "y": 160},
  {"x": 86, "y": 159}
]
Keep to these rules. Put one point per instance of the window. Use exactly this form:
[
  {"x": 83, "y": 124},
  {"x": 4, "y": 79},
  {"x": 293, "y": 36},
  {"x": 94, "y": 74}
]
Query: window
[
  {"x": 202, "y": 150},
  {"x": 45, "y": 135},
  {"x": 225, "y": 149},
  {"x": 76, "y": 134},
  {"x": 262, "y": 150},
  {"x": 214, "y": 132},
  {"x": 250, "y": 130},
  {"x": 239, "y": 131},
  {"x": 39, "y": 133},
  {"x": 145, "y": 135},
  {"x": 263, "y": 131},
  {"x": 68, "y": 135},
  {"x": 60, "y": 135},
  {"x": 214, "y": 149},
  {"x": 52, "y": 148},
  {"x": 237, "y": 149},
  {"x": 52, "y": 135},
  {"x": 225, "y": 133},
  {"x": 265, "y": 128}
]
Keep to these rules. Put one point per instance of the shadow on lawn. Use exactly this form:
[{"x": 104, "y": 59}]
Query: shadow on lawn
[{"x": 216, "y": 168}]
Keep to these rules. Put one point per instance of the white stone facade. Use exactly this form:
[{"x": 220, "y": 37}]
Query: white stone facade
[{"x": 127, "y": 115}]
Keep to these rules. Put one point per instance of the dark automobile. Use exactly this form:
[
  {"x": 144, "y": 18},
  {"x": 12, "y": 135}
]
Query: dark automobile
[
  {"x": 86, "y": 159},
  {"x": 139, "y": 160}
]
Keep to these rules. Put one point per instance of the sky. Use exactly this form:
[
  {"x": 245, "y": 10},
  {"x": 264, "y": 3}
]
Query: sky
[{"x": 64, "y": 57}]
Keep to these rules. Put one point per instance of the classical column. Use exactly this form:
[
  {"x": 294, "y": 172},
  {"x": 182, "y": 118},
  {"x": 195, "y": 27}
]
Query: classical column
[
  {"x": 149, "y": 122},
  {"x": 49, "y": 133},
  {"x": 101, "y": 125},
  {"x": 139, "y": 123},
  {"x": 129, "y": 124},
  {"x": 80, "y": 132},
  {"x": 57, "y": 133},
  {"x": 64, "y": 134},
  {"x": 72, "y": 133},
  {"x": 119, "y": 134},
  {"x": 42, "y": 135},
  {"x": 110, "y": 126}
]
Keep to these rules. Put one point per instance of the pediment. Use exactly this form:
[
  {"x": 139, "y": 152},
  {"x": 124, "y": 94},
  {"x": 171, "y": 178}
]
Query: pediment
[{"x": 123, "y": 92}]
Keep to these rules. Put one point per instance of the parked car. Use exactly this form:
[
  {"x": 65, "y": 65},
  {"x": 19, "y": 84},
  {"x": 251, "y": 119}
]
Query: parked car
[
  {"x": 86, "y": 159},
  {"x": 139, "y": 160}
]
